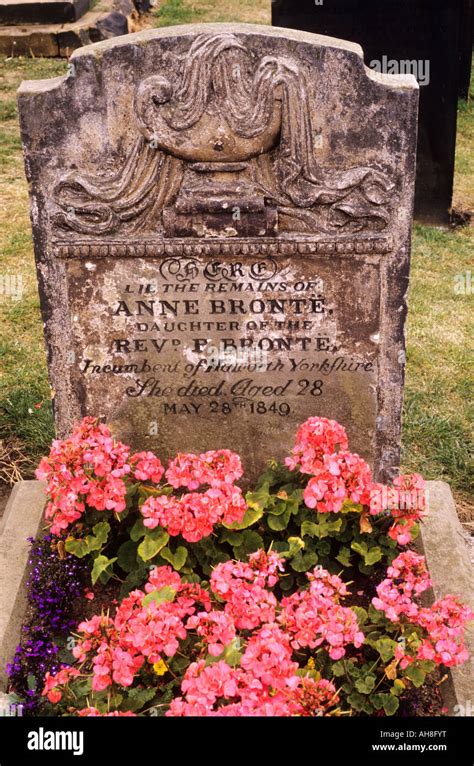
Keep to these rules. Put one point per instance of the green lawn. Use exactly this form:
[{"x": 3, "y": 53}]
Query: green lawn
[{"x": 438, "y": 421}]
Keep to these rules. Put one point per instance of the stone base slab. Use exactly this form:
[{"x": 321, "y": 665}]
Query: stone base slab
[
  {"x": 41, "y": 11},
  {"x": 443, "y": 543},
  {"x": 110, "y": 18},
  {"x": 22, "y": 519}
]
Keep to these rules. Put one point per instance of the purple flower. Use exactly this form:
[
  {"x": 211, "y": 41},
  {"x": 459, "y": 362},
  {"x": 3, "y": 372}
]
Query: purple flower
[{"x": 53, "y": 586}]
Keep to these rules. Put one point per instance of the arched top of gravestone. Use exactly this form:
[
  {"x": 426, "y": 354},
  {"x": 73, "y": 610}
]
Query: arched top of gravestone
[{"x": 289, "y": 128}]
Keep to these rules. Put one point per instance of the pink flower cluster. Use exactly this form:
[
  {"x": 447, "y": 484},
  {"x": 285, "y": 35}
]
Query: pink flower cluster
[
  {"x": 89, "y": 470},
  {"x": 215, "y": 468},
  {"x": 407, "y": 577},
  {"x": 406, "y": 501},
  {"x": 314, "y": 439},
  {"x": 53, "y": 682},
  {"x": 147, "y": 467},
  {"x": 338, "y": 475},
  {"x": 194, "y": 514},
  {"x": 443, "y": 624},
  {"x": 244, "y": 588},
  {"x": 239, "y": 611},
  {"x": 314, "y": 617},
  {"x": 85, "y": 469},
  {"x": 265, "y": 684},
  {"x": 341, "y": 476},
  {"x": 118, "y": 647},
  {"x": 91, "y": 712}
]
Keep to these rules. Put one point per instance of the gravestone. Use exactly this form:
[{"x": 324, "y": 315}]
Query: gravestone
[
  {"x": 430, "y": 35},
  {"x": 467, "y": 41},
  {"x": 221, "y": 219},
  {"x": 55, "y": 28}
]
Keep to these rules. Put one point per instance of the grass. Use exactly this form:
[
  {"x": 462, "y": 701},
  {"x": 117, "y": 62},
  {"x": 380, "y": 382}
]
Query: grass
[
  {"x": 173, "y": 12},
  {"x": 437, "y": 427}
]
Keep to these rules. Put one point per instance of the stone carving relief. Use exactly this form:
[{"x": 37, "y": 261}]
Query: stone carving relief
[{"x": 223, "y": 149}]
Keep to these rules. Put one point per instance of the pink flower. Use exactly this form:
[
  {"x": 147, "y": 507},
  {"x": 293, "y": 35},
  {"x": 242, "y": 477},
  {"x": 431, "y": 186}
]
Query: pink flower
[
  {"x": 194, "y": 515},
  {"x": 314, "y": 439},
  {"x": 147, "y": 467},
  {"x": 52, "y": 682},
  {"x": 88, "y": 468},
  {"x": 338, "y": 477},
  {"x": 217, "y": 628},
  {"x": 214, "y": 468}
]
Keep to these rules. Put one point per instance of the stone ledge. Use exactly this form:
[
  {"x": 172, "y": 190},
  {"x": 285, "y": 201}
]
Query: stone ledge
[
  {"x": 22, "y": 519},
  {"x": 109, "y": 18},
  {"x": 18, "y": 12},
  {"x": 443, "y": 543}
]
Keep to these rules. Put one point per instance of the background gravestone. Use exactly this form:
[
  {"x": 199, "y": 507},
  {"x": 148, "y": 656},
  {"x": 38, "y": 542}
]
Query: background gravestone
[
  {"x": 434, "y": 31},
  {"x": 221, "y": 220},
  {"x": 55, "y": 28}
]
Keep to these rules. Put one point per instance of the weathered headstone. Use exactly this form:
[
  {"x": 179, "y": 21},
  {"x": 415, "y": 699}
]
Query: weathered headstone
[
  {"x": 427, "y": 37},
  {"x": 221, "y": 220}
]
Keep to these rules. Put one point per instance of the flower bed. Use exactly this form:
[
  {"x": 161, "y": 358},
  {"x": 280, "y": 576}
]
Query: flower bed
[{"x": 300, "y": 597}]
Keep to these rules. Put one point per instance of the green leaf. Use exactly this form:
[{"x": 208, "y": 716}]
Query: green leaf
[
  {"x": 360, "y": 548},
  {"x": 416, "y": 675},
  {"x": 366, "y": 685},
  {"x": 376, "y": 616},
  {"x": 152, "y": 543},
  {"x": 101, "y": 564},
  {"x": 294, "y": 501},
  {"x": 251, "y": 541},
  {"x": 176, "y": 559},
  {"x": 232, "y": 653},
  {"x": 252, "y": 514},
  {"x": 101, "y": 532},
  {"x": 344, "y": 556},
  {"x": 374, "y": 554},
  {"x": 349, "y": 506},
  {"x": 134, "y": 579},
  {"x": 137, "y": 699},
  {"x": 278, "y": 523},
  {"x": 385, "y": 647},
  {"x": 259, "y": 499},
  {"x": 160, "y": 596},
  {"x": 233, "y": 538},
  {"x": 338, "y": 669},
  {"x": 387, "y": 701},
  {"x": 127, "y": 556},
  {"x": 138, "y": 530},
  {"x": 303, "y": 561},
  {"x": 296, "y": 545},
  {"x": 370, "y": 555},
  {"x": 278, "y": 507},
  {"x": 82, "y": 547},
  {"x": 361, "y": 614},
  {"x": 359, "y": 702},
  {"x": 324, "y": 526},
  {"x": 309, "y": 528}
]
